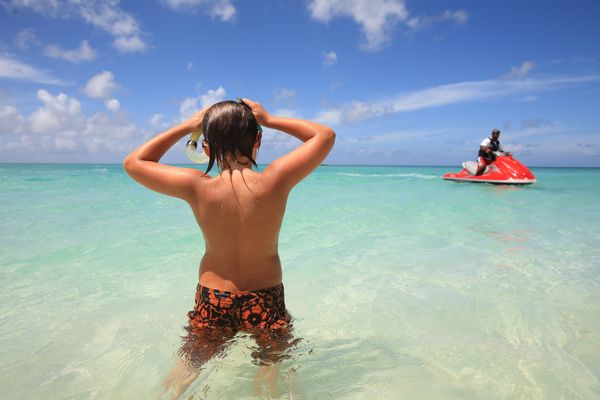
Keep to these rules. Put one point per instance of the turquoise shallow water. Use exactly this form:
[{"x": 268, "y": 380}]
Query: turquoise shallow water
[{"x": 402, "y": 285}]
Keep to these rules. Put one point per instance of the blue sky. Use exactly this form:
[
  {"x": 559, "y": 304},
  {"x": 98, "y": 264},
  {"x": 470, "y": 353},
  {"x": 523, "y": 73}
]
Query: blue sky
[{"x": 401, "y": 82}]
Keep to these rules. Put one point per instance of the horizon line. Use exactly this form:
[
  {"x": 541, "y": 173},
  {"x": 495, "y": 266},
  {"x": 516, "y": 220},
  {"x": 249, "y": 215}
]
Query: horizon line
[{"x": 322, "y": 165}]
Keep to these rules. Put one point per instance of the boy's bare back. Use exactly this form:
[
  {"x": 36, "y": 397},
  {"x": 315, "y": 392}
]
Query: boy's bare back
[{"x": 240, "y": 214}]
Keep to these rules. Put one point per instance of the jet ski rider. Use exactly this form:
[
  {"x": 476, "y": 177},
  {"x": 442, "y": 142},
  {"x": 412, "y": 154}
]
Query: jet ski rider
[{"x": 488, "y": 149}]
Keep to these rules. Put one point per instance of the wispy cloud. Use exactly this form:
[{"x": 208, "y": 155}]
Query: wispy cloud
[
  {"x": 422, "y": 22},
  {"x": 10, "y": 117},
  {"x": 157, "y": 121},
  {"x": 11, "y": 68},
  {"x": 378, "y": 18},
  {"x": 521, "y": 71},
  {"x": 284, "y": 94},
  {"x": 527, "y": 130},
  {"x": 329, "y": 58},
  {"x": 445, "y": 95},
  {"x": 220, "y": 9},
  {"x": 527, "y": 99},
  {"x": 394, "y": 137},
  {"x": 83, "y": 53},
  {"x": 558, "y": 145},
  {"x": 103, "y": 14},
  {"x": 536, "y": 123},
  {"x": 288, "y": 113},
  {"x": 190, "y": 105},
  {"x": 589, "y": 149},
  {"x": 26, "y": 39}
]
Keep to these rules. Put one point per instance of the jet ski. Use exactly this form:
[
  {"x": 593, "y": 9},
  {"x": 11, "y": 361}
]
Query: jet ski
[{"x": 504, "y": 170}]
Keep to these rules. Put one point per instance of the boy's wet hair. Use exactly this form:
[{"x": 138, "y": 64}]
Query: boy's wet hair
[{"x": 230, "y": 129}]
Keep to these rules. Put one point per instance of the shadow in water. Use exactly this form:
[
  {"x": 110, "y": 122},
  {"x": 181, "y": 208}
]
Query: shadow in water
[{"x": 200, "y": 346}]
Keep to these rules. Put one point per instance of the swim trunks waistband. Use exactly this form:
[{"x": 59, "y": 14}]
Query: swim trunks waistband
[
  {"x": 249, "y": 310},
  {"x": 237, "y": 292}
]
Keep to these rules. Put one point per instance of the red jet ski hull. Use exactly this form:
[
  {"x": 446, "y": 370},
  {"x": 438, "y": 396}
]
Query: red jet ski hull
[{"x": 505, "y": 170}]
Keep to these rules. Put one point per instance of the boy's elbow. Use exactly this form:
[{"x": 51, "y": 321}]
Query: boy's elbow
[
  {"x": 129, "y": 163},
  {"x": 330, "y": 135}
]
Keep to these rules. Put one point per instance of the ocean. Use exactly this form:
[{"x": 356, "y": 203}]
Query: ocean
[{"x": 401, "y": 285}]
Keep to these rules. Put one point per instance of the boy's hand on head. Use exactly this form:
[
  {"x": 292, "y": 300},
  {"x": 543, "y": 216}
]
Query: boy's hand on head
[
  {"x": 259, "y": 112},
  {"x": 195, "y": 122}
]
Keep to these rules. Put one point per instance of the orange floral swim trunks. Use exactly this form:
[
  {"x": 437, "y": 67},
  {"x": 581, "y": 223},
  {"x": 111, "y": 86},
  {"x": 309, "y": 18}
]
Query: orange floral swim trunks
[
  {"x": 218, "y": 315},
  {"x": 256, "y": 310}
]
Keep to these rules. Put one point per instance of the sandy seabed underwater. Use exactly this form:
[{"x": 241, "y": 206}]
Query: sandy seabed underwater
[{"x": 401, "y": 285}]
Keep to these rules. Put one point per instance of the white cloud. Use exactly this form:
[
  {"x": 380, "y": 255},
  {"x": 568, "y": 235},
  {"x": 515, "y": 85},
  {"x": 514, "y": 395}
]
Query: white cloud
[
  {"x": 131, "y": 44},
  {"x": 536, "y": 123},
  {"x": 421, "y": 22},
  {"x": 589, "y": 149},
  {"x": 11, "y": 122},
  {"x": 458, "y": 16},
  {"x": 287, "y": 113},
  {"x": 223, "y": 10},
  {"x": 26, "y": 39},
  {"x": 212, "y": 96},
  {"x": 62, "y": 144},
  {"x": 22, "y": 143},
  {"x": 188, "y": 107},
  {"x": 112, "y": 105},
  {"x": 377, "y": 18},
  {"x": 103, "y": 14},
  {"x": 275, "y": 143},
  {"x": 399, "y": 136},
  {"x": 83, "y": 53},
  {"x": 157, "y": 120},
  {"x": 106, "y": 15},
  {"x": 443, "y": 95},
  {"x": 190, "y": 65},
  {"x": 220, "y": 9},
  {"x": 60, "y": 125},
  {"x": 521, "y": 71},
  {"x": 103, "y": 126},
  {"x": 329, "y": 58},
  {"x": 58, "y": 114},
  {"x": 100, "y": 86},
  {"x": 527, "y": 99},
  {"x": 333, "y": 117},
  {"x": 12, "y": 68},
  {"x": 191, "y": 105},
  {"x": 48, "y": 7},
  {"x": 284, "y": 94}
]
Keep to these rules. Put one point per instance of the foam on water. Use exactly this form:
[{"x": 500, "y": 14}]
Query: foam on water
[{"x": 401, "y": 285}]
